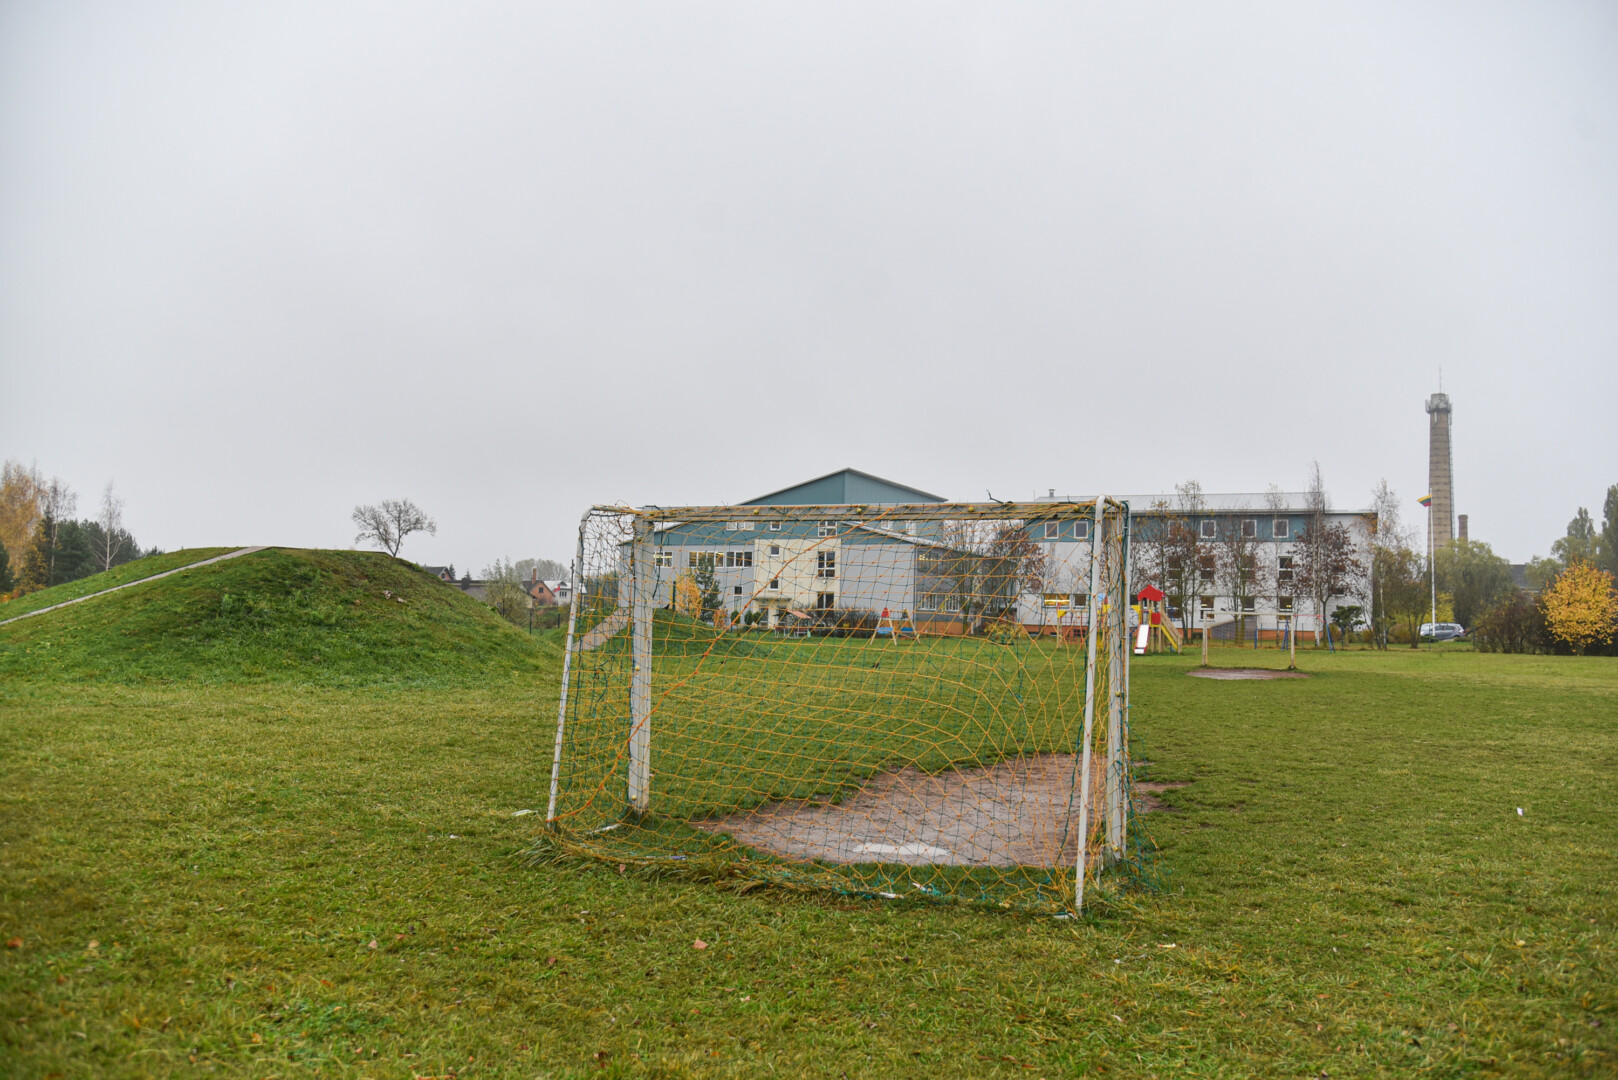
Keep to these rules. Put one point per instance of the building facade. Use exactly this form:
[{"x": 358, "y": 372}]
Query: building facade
[{"x": 1231, "y": 561}]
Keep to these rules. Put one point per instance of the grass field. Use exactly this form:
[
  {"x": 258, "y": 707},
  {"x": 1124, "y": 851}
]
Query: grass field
[{"x": 251, "y": 851}]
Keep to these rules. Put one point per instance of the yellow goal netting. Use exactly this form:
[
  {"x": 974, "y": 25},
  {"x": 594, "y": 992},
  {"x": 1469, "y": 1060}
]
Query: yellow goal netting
[{"x": 925, "y": 700}]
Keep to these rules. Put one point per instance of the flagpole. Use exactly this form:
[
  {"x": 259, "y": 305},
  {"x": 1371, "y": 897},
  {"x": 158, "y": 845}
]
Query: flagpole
[{"x": 1432, "y": 570}]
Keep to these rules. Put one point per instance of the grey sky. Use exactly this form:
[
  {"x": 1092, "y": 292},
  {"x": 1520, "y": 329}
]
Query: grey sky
[{"x": 261, "y": 264}]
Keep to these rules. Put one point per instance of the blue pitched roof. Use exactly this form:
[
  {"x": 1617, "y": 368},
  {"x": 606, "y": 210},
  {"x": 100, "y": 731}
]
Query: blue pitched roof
[{"x": 845, "y": 486}]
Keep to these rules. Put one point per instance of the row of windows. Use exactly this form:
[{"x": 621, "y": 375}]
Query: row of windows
[
  {"x": 948, "y": 602},
  {"x": 1283, "y": 604},
  {"x": 1205, "y": 568},
  {"x": 710, "y": 560},
  {"x": 1081, "y": 530},
  {"x": 1280, "y": 529}
]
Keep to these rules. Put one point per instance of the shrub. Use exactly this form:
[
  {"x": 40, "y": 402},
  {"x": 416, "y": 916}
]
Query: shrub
[{"x": 1514, "y": 625}]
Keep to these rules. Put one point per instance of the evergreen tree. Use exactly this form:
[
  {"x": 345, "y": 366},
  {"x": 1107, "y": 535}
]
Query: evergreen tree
[
  {"x": 1579, "y": 545},
  {"x": 7, "y": 583},
  {"x": 1607, "y": 557}
]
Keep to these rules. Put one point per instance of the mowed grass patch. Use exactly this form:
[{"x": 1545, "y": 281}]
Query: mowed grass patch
[{"x": 1348, "y": 890}]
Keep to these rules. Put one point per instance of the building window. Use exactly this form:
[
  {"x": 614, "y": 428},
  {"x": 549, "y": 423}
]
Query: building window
[
  {"x": 1282, "y": 528},
  {"x": 775, "y": 549},
  {"x": 738, "y": 558},
  {"x": 1207, "y": 606},
  {"x": 826, "y": 564},
  {"x": 707, "y": 560},
  {"x": 738, "y": 526},
  {"x": 827, "y": 528},
  {"x": 952, "y": 604},
  {"x": 1247, "y": 603},
  {"x": 1209, "y": 529},
  {"x": 775, "y": 526},
  {"x": 775, "y": 584},
  {"x": 1053, "y": 530},
  {"x": 736, "y": 589},
  {"x": 930, "y": 601},
  {"x": 1249, "y": 528},
  {"x": 663, "y": 558},
  {"x": 1081, "y": 530},
  {"x": 1283, "y": 573},
  {"x": 1283, "y": 604},
  {"x": 910, "y": 528},
  {"x": 825, "y": 601},
  {"x": 1081, "y": 599},
  {"x": 1205, "y": 565}
]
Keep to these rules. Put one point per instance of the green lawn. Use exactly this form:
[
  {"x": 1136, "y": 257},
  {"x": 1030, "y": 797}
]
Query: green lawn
[{"x": 198, "y": 853}]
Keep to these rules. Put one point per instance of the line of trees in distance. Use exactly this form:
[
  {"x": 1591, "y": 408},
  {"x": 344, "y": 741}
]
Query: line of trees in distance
[
  {"x": 1571, "y": 605},
  {"x": 42, "y": 543}
]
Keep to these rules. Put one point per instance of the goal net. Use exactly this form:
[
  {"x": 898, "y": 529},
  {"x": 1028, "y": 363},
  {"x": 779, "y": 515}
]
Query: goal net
[{"x": 918, "y": 700}]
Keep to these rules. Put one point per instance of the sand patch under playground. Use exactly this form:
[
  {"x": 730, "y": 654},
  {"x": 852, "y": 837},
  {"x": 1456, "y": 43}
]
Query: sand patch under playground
[{"x": 1016, "y": 813}]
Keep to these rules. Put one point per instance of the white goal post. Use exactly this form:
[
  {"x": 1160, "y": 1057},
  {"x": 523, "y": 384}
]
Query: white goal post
[{"x": 853, "y": 697}]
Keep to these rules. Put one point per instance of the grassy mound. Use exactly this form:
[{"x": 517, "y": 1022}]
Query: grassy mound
[{"x": 330, "y": 617}]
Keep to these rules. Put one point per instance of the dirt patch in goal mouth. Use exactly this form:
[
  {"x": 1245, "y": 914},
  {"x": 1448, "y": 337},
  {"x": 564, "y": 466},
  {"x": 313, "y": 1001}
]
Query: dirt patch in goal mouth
[
  {"x": 1017, "y": 813},
  {"x": 1244, "y": 673}
]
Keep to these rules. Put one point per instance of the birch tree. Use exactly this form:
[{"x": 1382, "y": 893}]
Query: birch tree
[{"x": 111, "y": 519}]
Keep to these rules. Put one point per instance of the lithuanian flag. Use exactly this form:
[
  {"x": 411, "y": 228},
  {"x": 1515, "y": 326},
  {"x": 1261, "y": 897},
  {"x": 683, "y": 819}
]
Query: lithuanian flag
[{"x": 1426, "y": 500}]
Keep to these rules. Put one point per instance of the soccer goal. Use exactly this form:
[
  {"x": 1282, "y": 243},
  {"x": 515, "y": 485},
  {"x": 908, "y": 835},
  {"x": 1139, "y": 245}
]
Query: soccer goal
[{"x": 918, "y": 700}]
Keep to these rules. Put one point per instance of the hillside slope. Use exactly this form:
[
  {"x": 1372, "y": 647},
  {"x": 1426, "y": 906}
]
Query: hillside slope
[
  {"x": 328, "y": 617},
  {"x": 121, "y": 574}
]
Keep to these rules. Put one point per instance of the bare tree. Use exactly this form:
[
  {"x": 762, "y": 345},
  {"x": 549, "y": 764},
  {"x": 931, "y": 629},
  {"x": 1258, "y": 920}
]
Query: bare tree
[
  {"x": 544, "y": 569},
  {"x": 57, "y": 501},
  {"x": 503, "y": 590},
  {"x": 1389, "y": 540},
  {"x": 387, "y": 523},
  {"x": 1172, "y": 548},
  {"x": 1328, "y": 566},
  {"x": 111, "y": 520},
  {"x": 1242, "y": 570}
]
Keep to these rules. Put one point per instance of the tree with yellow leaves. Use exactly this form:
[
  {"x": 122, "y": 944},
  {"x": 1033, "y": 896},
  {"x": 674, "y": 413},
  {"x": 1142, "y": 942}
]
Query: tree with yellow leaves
[
  {"x": 1580, "y": 606},
  {"x": 20, "y": 492},
  {"x": 688, "y": 595}
]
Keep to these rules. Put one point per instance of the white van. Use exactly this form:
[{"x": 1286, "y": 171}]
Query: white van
[{"x": 1441, "y": 631}]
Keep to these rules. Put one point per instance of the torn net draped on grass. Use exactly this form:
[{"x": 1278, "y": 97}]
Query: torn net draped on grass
[{"x": 875, "y": 700}]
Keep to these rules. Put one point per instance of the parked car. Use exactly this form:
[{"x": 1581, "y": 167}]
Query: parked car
[{"x": 1441, "y": 631}]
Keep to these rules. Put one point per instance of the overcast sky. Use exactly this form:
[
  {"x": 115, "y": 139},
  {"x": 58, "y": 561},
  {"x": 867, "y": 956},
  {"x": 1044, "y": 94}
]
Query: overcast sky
[{"x": 261, "y": 263}]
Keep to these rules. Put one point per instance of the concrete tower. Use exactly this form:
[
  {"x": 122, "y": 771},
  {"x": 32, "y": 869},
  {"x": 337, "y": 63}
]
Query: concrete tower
[{"x": 1440, "y": 482}]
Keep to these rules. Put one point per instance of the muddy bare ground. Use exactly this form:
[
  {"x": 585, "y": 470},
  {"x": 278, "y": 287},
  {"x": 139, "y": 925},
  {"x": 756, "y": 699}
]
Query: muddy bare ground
[
  {"x": 1017, "y": 813},
  {"x": 1244, "y": 673}
]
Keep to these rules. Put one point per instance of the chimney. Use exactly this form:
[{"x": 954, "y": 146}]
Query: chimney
[
  {"x": 1440, "y": 470},
  {"x": 1460, "y": 533}
]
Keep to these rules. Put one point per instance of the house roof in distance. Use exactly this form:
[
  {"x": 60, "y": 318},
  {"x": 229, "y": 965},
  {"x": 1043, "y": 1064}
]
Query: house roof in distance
[{"x": 842, "y": 487}]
